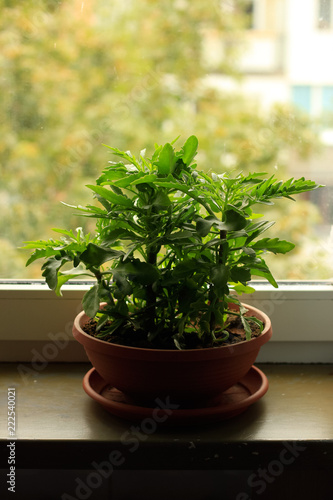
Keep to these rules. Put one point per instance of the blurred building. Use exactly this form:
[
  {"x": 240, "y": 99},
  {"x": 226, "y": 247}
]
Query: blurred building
[{"x": 286, "y": 57}]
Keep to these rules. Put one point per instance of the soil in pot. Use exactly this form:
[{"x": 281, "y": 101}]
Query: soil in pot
[{"x": 138, "y": 338}]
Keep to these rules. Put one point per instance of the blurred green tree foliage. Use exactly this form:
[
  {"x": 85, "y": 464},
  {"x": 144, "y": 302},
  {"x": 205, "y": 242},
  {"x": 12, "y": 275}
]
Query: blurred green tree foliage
[{"x": 78, "y": 74}]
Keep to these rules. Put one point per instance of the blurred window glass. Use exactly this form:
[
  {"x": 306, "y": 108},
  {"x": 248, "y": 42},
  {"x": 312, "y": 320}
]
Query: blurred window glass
[{"x": 247, "y": 77}]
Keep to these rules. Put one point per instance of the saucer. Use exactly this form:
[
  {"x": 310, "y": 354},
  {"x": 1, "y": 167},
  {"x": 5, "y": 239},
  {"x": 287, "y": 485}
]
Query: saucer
[{"x": 232, "y": 402}]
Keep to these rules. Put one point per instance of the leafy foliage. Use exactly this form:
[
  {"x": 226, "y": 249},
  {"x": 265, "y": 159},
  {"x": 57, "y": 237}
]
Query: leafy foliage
[{"x": 173, "y": 245}]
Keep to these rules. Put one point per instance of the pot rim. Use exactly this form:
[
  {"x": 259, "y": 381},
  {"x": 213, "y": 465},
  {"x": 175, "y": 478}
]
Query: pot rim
[{"x": 210, "y": 352}]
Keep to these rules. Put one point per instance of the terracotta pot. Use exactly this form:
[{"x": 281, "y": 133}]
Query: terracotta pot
[{"x": 189, "y": 376}]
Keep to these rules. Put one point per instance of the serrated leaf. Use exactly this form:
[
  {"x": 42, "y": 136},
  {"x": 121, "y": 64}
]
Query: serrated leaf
[
  {"x": 50, "y": 271},
  {"x": 113, "y": 173},
  {"x": 256, "y": 229},
  {"x": 273, "y": 245},
  {"x": 41, "y": 253},
  {"x": 108, "y": 195},
  {"x": 70, "y": 233},
  {"x": 247, "y": 327}
]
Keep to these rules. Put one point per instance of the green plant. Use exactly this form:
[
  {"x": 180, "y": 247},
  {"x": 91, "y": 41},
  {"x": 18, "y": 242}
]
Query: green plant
[{"x": 173, "y": 247}]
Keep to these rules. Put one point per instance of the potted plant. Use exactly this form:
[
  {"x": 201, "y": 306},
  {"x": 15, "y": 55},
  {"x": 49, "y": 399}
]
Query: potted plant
[{"x": 173, "y": 250}]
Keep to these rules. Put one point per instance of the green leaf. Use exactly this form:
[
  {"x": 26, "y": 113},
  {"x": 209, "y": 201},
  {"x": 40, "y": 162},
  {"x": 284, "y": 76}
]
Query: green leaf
[
  {"x": 189, "y": 150},
  {"x": 237, "y": 234},
  {"x": 240, "y": 288},
  {"x": 176, "y": 186},
  {"x": 50, "y": 271},
  {"x": 249, "y": 251},
  {"x": 179, "y": 235},
  {"x": 220, "y": 277},
  {"x": 95, "y": 255},
  {"x": 161, "y": 200},
  {"x": 247, "y": 327},
  {"x": 70, "y": 233},
  {"x": 41, "y": 253},
  {"x": 120, "y": 234},
  {"x": 203, "y": 226},
  {"x": 108, "y": 195},
  {"x": 256, "y": 229},
  {"x": 234, "y": 221},
  {"x": 240, "y": 274},
  {"x": 273, "y": 245},
  {"x": 135, "y": 179},
  {"x": 142, "y": 272},
  {"x": 185, "y": 269},
  {"x": 125, "y": 180},
  {"x": 114, "y": 172},
  {"x": 145, "y": 179},
  {"x": 63, "y": 278},
  {"x": 166, "y": 160},
  {"x": 265, "y": 274},
  {"x": 123, "y": 285},
  {"x": 91, "y": 301}
]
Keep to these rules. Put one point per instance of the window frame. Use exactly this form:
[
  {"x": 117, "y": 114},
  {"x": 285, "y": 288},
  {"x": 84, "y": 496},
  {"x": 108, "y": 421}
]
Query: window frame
[{"x": 36, "y": 324}]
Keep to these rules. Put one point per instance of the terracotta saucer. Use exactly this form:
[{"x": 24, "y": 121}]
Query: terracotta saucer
[{"x": 232, "y": 402}]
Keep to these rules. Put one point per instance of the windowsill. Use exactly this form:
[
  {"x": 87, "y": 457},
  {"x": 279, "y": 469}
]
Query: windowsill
[
  {"x": 37, "y": 325},
  {"x": 58, "y": 425}
]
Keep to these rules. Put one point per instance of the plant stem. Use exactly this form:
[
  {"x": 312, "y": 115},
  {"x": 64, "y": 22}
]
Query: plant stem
[
  {"x": 151, "y": 296},
  {"x": 221, "y": 257}
]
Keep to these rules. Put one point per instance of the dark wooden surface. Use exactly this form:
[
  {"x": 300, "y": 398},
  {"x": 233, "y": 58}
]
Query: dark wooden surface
[{"x": 59, "y": 426}]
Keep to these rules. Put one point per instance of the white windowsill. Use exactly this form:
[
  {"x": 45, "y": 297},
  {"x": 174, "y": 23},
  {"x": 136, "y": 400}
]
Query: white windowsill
[{"x": 35, "y": 323}]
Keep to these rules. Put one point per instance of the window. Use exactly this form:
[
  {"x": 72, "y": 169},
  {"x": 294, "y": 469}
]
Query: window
[
  {"x": 315, "y": 100},
  {"x": 79, "y": 74},
  {"x": 324, "y": 14},
  {"x": 327, "y": 98},
  {"x": 301, "y": 97}
]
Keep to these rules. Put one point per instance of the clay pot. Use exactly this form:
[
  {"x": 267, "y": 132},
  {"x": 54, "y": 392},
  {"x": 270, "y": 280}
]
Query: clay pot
[{"x": 194, "y": 376}]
